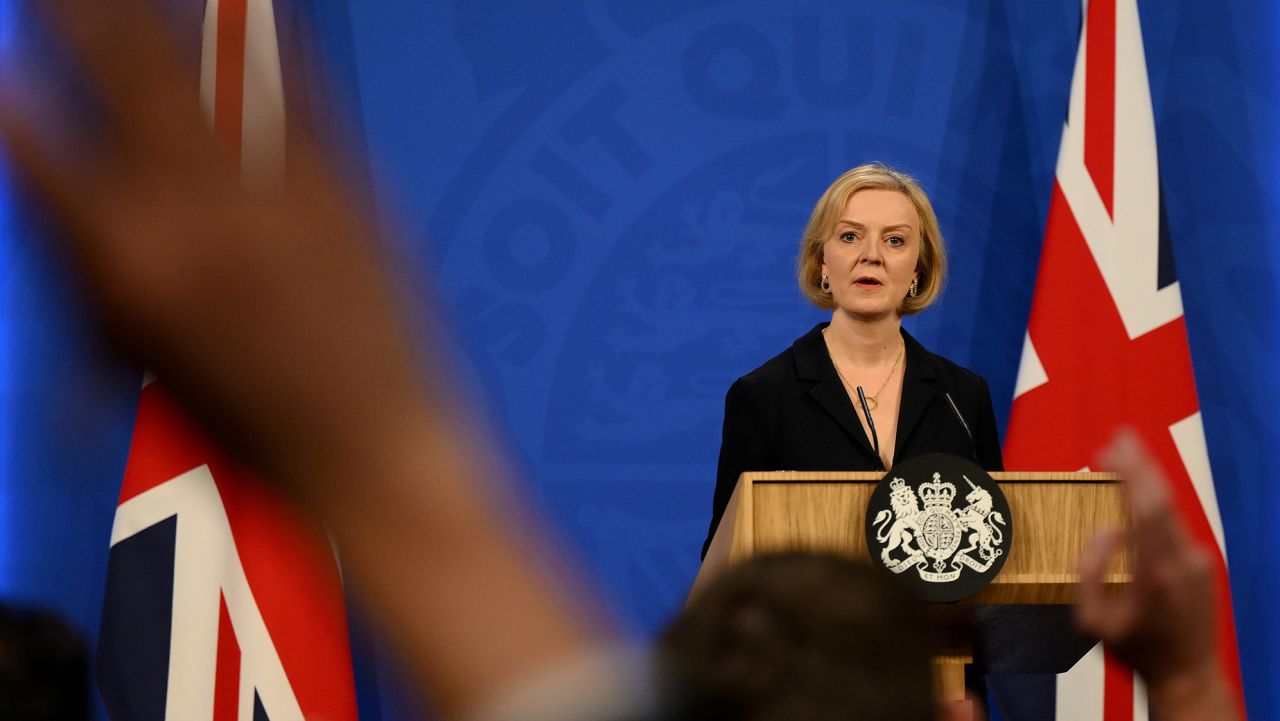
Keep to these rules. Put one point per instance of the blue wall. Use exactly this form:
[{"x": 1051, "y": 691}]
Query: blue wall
[{"x": 608, "y": 196}]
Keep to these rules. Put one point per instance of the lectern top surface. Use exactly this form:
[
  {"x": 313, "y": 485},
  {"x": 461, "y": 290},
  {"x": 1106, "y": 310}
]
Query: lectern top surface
[{"x": 864, "y": 476}]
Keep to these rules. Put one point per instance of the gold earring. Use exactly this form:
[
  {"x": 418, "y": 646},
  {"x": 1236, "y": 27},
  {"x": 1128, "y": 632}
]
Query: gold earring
[
  {"x": 825, "y": 284},
  {"x": 914, "y": 290}
]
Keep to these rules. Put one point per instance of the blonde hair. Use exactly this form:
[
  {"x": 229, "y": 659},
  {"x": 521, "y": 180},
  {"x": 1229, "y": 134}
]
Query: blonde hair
[{"x": 932, "y": 264}]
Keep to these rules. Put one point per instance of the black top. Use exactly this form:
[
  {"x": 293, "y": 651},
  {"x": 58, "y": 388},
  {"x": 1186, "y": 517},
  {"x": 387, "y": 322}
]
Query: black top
[{"x": 793, "y": 414}]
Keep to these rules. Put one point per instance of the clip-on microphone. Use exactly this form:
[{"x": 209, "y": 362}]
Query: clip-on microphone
[
  {"x": 875, "y": 440},
  {"x": 973, "y": 445}
]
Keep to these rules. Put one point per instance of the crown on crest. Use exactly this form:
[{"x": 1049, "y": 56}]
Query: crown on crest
[
  {"x": 896, "y": 485},
  {"x": 936, "y": 492}
]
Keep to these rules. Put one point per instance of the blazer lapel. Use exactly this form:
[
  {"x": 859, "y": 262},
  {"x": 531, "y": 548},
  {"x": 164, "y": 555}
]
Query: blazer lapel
[
  {"x": 919, "y": 386},
  {"x": 813, "y": 363}
]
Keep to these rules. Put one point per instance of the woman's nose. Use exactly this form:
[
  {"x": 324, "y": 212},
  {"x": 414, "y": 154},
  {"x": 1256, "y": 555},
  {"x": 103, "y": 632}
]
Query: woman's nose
[{"x": 870, "y": 252}]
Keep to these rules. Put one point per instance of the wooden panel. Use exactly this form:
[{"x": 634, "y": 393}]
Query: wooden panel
[
  {"x": 720, "y": 552},
  {"x": 1054, "y": 517},
  {"x": 744, "y": 538},
  {"x": 1053, "y": 524},
  {"x": 948, "y": 677},
  {"x": 811, "y": 516}
]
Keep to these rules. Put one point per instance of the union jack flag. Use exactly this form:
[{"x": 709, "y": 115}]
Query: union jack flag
[
  {"x": 220, "y": 603},
  {"x": 1106, "y": 343}
]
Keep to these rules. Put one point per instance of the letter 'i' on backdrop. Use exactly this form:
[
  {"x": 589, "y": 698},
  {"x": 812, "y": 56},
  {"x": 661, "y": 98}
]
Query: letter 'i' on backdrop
[
  {"x": 220, "y": 603},
  {"x": 1106, "y": 342}
]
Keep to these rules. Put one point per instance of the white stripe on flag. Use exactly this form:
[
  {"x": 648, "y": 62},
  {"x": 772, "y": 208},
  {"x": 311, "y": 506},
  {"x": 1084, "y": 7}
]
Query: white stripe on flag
[
  {"x": 1139, "y": 698},
  {"x": 1125, "y": 247},
  {"x": 1188, "y": 436},
  {"x": 209, "y": 59},
  {"x": 1078, "y": 697},
  {"x": 262, "y": 141},
  {"x": 207, "y": 568},
  {"x": 1031, "y": 371}
]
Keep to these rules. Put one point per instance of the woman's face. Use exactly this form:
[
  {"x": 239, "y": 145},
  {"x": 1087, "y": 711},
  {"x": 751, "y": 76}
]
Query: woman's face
[{"x": 871, "y": 255}]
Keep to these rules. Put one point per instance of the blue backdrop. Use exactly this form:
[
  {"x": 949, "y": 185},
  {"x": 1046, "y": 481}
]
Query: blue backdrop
[{"x": 608, "y": 195}]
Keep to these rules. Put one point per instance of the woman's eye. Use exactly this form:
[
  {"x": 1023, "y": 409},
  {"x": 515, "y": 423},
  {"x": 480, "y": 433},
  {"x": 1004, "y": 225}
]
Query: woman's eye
[
  {"x": 896, "y": 240},
  {"x": 848, "y": 236}
]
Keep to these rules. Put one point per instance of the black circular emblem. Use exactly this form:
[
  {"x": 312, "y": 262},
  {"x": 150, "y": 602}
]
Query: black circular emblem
[{"x": 940, "y": 524}]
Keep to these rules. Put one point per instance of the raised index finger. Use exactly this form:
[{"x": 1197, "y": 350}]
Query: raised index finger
[{"x": 1154, "y": 520}]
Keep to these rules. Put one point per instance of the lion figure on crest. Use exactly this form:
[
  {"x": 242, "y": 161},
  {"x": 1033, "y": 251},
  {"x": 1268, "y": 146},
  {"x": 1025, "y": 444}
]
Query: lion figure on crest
[{"x": 905, "y": 515}]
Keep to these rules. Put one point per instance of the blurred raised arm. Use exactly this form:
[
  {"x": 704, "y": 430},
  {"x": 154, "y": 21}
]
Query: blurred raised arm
[
  {"x": 275, "y": 320},
  {"x": 1163, "y": 623}
]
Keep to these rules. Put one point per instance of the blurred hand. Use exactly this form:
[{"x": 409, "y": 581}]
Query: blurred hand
[
  {"x": 272, "y": 316},
  {"x": 1162, "y": 624},
  {"x": 261, "y": 310},
  {"x": 970, "y": 709}
]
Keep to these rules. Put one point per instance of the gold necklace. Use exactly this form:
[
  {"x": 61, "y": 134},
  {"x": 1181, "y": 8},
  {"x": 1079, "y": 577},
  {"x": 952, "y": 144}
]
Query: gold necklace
[{"x": 873, "y": 401}]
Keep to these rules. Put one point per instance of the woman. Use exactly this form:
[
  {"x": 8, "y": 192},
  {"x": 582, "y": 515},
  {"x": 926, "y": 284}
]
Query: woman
[{"x": 872, "y": 253}]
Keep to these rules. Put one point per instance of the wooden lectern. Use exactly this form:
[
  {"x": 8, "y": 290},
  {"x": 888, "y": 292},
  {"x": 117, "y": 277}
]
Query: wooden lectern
[{"x": 1055, "y": 515}]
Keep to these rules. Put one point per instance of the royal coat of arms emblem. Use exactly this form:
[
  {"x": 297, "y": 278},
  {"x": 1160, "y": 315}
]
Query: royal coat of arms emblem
[{"x": 922, "y": 533}]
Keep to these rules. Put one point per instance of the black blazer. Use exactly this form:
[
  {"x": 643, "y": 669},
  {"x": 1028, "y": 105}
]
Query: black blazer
[{"x": 793, "y": 414}]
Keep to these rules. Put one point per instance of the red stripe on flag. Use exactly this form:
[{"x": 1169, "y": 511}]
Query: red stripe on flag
[
  {"x": 165, "y": 444},
  {"x": 1100, "y": 99},
  {"x": 228, "y": 104},
  {"x": 1098, "y": 377},
  {"x": 1117, "y": 696},
  {"x": 298, "y": 591},
  {"x": 226, "y": 681}
]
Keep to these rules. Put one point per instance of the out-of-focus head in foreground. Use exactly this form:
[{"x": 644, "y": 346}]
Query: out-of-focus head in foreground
[
  {"x": 798, "y": 636},
  {"x": 44, "y": 668}
]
